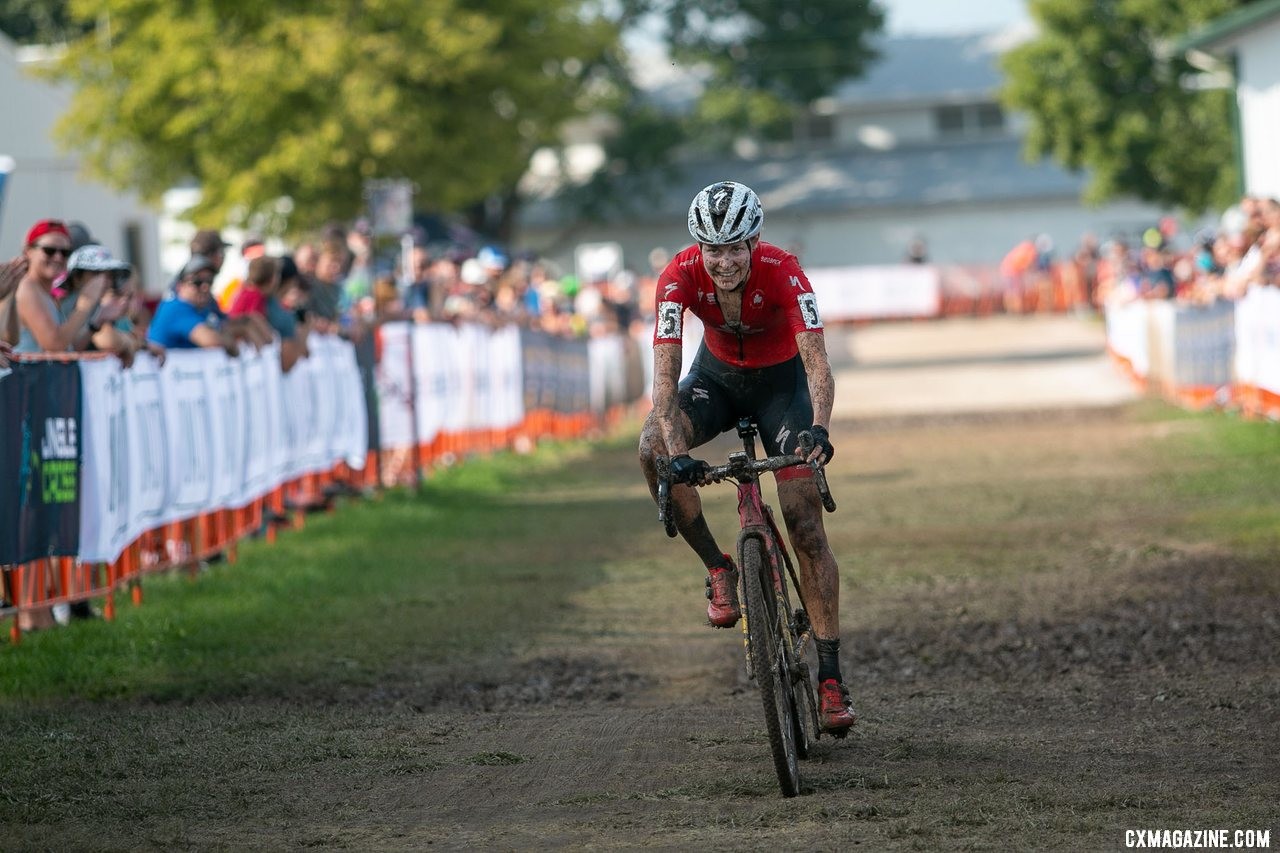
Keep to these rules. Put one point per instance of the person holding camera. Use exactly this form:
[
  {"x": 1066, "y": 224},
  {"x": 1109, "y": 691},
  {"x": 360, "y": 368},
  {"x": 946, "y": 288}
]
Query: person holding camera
[{"x": 110, "y": 329}]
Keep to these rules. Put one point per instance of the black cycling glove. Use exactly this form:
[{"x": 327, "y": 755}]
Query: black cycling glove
[
  {"x": 822, "y": 439},
  {"x": 686, "y": 469}
]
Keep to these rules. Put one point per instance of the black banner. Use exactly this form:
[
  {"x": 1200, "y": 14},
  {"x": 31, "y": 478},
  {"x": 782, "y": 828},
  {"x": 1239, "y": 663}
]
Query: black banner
[{"x": 40, "y": 459}]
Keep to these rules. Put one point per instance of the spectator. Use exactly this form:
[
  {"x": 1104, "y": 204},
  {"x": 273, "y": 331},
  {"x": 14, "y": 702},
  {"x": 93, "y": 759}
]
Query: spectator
[
  {"x": 419, "y": 295},
  {"x": 326, "y": 304},
  {"x": 259, "y": 285},
  {"x": 11, "y": 272},
  {"x": 208, "y": 243},
  {"x": 260, "y": 295},
  {"x": 110, "y": 330},
  {"x": 254, "y": 246},
  {"x": 188, "y": 321},
  {"x": 41, "y": 326}
]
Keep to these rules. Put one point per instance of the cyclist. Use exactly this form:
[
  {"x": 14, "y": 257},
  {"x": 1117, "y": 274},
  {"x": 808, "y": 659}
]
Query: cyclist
[{"x": 762, "y": 354}]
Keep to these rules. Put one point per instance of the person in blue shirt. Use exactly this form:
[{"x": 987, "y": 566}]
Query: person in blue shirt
[{"x": 188, "y": 321}]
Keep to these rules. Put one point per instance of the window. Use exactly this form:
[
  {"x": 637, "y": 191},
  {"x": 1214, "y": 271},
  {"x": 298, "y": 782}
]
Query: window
[{"x": 966, "y": 120}]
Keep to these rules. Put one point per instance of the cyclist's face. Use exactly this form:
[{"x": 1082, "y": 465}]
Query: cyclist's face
[{"x": 728, "y": 265}]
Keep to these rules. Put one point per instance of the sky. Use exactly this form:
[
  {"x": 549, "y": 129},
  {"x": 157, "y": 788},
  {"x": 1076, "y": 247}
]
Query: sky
[
  {"x": 951, "y": 17},
  {"x": 902, "y": 18}
]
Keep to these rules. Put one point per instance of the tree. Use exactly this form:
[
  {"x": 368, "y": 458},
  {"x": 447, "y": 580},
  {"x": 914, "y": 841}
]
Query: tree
[
  {"x": 765, "y": 60},
  {"x": 1105, "y": 94},
  {"x": 38, "y": 21},
  {"x": 307, "y": 99},
  {"x": 761, "y": 63}
]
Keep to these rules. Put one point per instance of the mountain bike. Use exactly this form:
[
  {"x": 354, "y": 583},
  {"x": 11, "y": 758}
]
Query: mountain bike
[{"x": 777, "y": 637}]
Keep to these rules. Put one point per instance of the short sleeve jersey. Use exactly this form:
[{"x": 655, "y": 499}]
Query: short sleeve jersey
[
  {"x": 173, "y": 323},
  {"x": 777, "y": 304}
]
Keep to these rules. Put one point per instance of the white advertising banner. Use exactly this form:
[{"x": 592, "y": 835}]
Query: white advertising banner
[
  {"x": 877, "y": 292},
  {"x": 394, "y": 381},
  {"x": 1127, "y": 329},
  {"x": 104, "y": 477},
  {"x": 208, "y": 432},
  {"x": 1257, "y": 357}
]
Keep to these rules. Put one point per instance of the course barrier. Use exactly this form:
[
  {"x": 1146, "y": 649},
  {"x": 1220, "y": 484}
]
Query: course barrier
[
  {"x": 107, "y": 474},
  {"x": 1202, "y": 356}
]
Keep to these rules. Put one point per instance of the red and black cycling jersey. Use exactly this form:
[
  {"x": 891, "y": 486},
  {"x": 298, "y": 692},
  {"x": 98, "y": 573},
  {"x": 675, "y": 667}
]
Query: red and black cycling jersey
[{"x": 777, "y": 304}]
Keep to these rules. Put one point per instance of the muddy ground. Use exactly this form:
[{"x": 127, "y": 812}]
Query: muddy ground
[{"x": 1050, "y": 636}]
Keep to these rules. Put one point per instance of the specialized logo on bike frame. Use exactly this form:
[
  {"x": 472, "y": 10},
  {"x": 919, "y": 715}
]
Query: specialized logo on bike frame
[
  {"x": 669, "y": 319},
  {"x": 809, "y": 310}
]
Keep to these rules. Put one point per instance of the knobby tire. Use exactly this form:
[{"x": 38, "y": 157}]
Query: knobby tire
[{"x": 767, "y": 638}]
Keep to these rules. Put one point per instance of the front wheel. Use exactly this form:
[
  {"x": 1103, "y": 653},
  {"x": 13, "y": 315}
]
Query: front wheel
[{"x": 766, "y": 637}]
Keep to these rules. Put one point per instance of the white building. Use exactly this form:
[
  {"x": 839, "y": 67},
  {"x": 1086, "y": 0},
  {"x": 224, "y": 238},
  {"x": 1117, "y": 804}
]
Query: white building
[
  {"x": 1247, "y": 43},
  {"x": 46, "y": 183},
  {"x": 920, "y": 146}
]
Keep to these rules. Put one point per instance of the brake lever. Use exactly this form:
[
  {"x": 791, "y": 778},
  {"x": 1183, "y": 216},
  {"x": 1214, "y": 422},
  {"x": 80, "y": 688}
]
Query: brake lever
[{"x": 806, "y": 445}]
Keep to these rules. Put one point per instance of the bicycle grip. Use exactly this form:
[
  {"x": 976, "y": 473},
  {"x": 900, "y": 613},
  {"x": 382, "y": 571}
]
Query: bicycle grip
[
  {"x": 664, "y": 497},
  {"x": 824, "y": 491}
]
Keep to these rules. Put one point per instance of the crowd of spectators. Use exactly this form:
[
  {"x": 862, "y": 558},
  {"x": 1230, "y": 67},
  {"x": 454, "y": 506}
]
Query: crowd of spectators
[
  {"x": 66, "y": 293},
  {"x": 1197, "y": 267}
]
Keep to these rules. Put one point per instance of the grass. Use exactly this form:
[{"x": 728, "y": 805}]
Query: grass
[{"x": 359, "y": 597}]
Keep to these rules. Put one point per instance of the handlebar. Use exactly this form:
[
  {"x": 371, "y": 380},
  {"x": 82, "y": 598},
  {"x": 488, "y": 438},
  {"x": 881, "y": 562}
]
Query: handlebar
[{"x": 740, "y": 467}]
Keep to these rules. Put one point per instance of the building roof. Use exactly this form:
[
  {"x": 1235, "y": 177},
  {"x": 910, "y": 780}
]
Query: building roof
[
  {"x": 855, "y": 179},
  {"x": 1225, "y": 28},
  {"x": 936, "y": 69}
]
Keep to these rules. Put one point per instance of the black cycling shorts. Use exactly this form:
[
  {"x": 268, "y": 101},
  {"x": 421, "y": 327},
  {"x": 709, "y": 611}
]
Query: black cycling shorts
[{"x": 715, "y": 395}]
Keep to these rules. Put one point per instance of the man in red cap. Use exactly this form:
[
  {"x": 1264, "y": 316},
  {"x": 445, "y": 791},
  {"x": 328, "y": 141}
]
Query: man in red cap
[{"x": 41, "y": 327}]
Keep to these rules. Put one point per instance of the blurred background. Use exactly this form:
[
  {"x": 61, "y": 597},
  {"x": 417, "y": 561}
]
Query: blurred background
[{"x": 877, "y": 133}]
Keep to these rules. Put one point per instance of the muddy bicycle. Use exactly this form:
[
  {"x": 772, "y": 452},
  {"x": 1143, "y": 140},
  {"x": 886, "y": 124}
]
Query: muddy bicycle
[{"x": 777, "y": 637}]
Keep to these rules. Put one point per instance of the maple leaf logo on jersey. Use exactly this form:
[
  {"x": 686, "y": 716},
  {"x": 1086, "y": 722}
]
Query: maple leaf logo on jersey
[{"x": 757, "y": 299}]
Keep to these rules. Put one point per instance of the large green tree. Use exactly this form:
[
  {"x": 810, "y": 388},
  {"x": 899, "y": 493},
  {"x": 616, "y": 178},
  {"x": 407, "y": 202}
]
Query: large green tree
[
  {"x": 307, "y": 99},
  {"x": 1106, "y": 92}
]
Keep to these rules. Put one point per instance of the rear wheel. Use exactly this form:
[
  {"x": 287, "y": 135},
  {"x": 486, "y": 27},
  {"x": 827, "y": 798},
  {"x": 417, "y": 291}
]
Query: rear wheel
[{"x": 767, "y": 637}]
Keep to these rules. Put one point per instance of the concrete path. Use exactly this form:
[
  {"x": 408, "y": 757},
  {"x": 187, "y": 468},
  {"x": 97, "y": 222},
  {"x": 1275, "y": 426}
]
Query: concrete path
[{"x": 963, "y": 366}]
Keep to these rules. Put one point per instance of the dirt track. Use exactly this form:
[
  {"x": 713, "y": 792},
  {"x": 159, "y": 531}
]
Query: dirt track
[{"x": 1045, "y": 648}]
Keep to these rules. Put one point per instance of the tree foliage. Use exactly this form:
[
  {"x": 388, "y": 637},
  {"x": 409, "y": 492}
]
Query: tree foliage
[
  {"x": 1105, "y": 92},
  {"x": 767, "y": 59},
  {"x": 760, "y": 61},
  {"x": 38, "y": 21},
  {"x": 307, "y": 99}
]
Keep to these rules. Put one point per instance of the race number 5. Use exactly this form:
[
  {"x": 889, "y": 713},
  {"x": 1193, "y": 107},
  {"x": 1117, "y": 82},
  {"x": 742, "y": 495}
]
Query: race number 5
[
  {"x": 669, "y": 314},
  {"x": 809, "y": 311}
]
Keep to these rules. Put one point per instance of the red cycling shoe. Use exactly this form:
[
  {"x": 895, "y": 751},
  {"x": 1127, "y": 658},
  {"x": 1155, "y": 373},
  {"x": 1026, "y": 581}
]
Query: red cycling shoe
[
  {"x": 835, "y": 708},
  {"x": 722, "y": 590}
]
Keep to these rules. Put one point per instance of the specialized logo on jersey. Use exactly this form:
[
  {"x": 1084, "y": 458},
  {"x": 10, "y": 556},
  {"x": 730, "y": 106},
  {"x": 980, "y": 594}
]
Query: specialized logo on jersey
[
  {"x": 795, "y": 281},
  {"x": 666, "y": 291},
  {"x": 809, "y": 311},
  {"x": 669, "y": 320}
]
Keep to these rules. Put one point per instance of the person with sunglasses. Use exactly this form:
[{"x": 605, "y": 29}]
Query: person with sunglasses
[
  {"x": 41, "y": 326},
  {"x": 188, "y": 321}
]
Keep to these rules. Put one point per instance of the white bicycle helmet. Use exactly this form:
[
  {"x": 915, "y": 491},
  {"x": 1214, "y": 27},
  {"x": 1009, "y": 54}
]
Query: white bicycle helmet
[{"x": 725, "y": 212}]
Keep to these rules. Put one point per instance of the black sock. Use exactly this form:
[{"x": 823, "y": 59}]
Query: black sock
[
  {"x": 828, "y": 659},
  {"x": 721, "y": 562}
]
